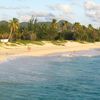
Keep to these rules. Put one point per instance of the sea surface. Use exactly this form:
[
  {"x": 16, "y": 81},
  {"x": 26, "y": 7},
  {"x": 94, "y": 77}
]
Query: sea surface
[{"x": 65, "y": 76}]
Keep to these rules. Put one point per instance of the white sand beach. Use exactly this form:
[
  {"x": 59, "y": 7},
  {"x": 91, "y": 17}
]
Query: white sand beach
[{"x": 7, "y": 51}]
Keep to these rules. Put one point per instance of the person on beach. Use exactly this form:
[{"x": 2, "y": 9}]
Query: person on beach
[{"x": 29, "y": 48}]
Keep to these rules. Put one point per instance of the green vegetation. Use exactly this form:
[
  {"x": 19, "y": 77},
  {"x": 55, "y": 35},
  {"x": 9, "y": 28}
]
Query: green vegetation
[
  {"x": 25, "y": 42},
  {"x": 61, "y": 43},
  {"x": 28, "y": 32}
]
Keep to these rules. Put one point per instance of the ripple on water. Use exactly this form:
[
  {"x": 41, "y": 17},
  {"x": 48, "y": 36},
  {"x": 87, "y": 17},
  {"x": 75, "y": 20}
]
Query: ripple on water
[{"x": 50, "y": 78}]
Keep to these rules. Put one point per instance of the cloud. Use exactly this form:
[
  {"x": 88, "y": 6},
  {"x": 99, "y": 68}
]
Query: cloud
[
  {"x": 64, "y": 8},
  {"x": 58, "y": 11},
  {"x": 92, "y": 10},
  {"x": 62, "y": 11},
  {"x": 12, "y": 8},
  {"x": 25, "y": 16}
]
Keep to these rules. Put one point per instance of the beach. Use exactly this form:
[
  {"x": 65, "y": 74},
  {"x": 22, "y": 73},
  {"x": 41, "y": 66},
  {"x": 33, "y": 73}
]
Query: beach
[{"x": 8, "y": 51}]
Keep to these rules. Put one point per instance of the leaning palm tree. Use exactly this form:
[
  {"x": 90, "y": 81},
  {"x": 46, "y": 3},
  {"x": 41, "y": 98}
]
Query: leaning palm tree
[{"x": 14, "y": 26}]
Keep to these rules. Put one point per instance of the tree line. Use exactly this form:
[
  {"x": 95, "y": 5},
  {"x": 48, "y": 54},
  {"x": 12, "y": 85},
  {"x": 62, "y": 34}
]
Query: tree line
[{"x": 54, "y": 30}]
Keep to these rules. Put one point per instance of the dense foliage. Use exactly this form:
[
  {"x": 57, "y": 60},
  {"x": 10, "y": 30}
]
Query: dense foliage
[{"x": 34, "y": 30}]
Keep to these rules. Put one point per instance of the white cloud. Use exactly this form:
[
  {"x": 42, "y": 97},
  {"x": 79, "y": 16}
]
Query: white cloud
[
  {"x": 58, "y": 11},
  {"x": 64, "y": 8},
  {"x": 92, "y": 10},
  {"x": 12, "y": 8},
  {"x": 62, "y": 11},
  {"x": 25, "y": 16}
]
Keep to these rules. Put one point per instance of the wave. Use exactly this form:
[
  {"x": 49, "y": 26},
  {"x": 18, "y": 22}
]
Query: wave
[{"x": 86, "y": 53}]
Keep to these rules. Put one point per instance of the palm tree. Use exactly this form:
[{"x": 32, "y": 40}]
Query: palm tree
[
  {"x": 52, "y": 31},
  {"x": 90, "y": 27},
  {"x": 30, "y": 24},
  {"x": 76, "y": 26},
  {"x": 64, "y": 25},
  {"x": 54, "y": 24},
  {"x": 14, "y": 26},
  {"x": 78, "y": 30}
]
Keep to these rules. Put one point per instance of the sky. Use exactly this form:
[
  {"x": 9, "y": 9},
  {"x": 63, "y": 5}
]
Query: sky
[{"x": 83, "y": 11}]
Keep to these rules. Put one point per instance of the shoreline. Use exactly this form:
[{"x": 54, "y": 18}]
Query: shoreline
[{"x": 7, "y": 52}]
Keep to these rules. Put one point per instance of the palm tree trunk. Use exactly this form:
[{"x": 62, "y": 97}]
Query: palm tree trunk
[{"x": 10, "y": 36}]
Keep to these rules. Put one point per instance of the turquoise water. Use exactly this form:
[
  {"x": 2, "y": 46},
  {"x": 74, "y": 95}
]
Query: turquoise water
[{"x": 50, "y": 78}]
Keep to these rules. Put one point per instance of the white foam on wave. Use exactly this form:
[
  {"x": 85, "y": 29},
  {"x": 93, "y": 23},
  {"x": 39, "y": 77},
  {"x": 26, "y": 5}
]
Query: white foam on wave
[
  {"x": 76, "y": 55},
  {"x": 67, "y": 55},
  {"x": 88, "y": 53}
]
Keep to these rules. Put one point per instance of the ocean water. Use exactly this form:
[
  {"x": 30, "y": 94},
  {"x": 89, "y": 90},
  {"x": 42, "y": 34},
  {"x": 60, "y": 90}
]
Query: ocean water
[{"x": 55, "y": 77}]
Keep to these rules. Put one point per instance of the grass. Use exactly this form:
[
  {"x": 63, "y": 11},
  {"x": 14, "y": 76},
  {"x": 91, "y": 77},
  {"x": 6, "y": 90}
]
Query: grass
[
  {"x": 12, "y": 44},
  {"x": 59, "y": 42},
  {"x": 0, "y": 44},
  {"x": 22, "y": 42},
  {"x": 41, "y": 43},
  {"x": 25, "y": 42},
  {"x": 83, "y": 42}
]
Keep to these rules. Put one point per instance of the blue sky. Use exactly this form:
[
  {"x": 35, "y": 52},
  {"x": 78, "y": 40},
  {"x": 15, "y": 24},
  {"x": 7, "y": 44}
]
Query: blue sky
[{"x": 84, "y": 11}]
